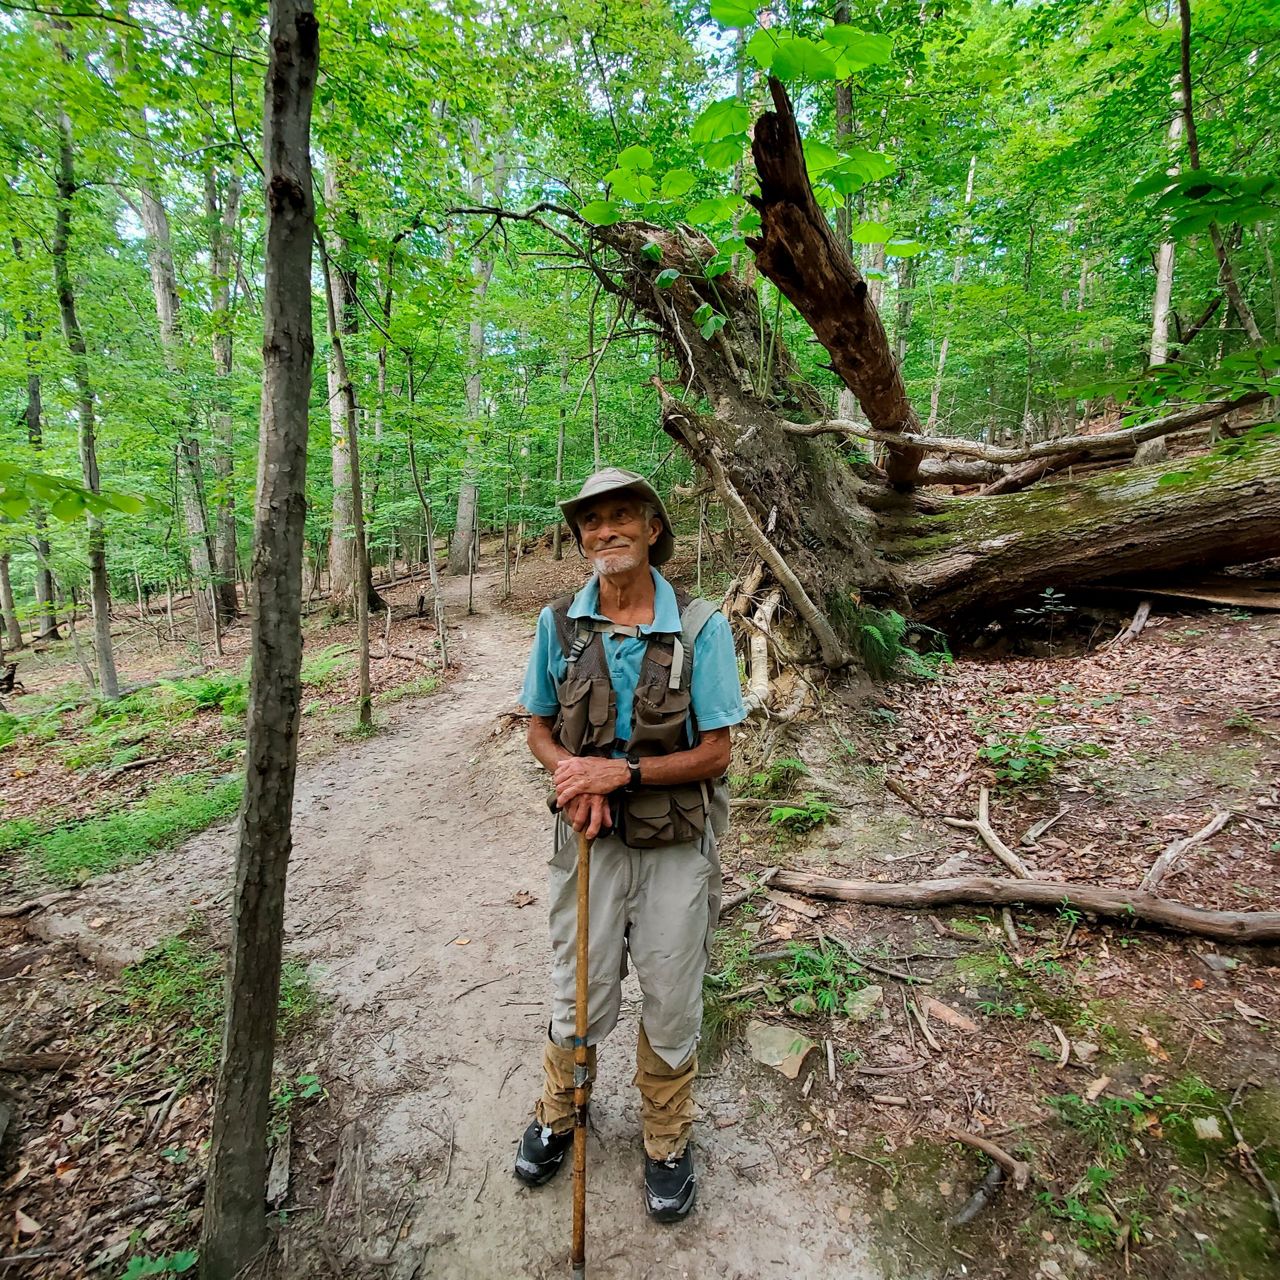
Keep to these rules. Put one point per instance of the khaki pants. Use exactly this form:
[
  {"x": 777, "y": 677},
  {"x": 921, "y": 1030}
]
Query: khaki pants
[{"x": 660, "y": 907}]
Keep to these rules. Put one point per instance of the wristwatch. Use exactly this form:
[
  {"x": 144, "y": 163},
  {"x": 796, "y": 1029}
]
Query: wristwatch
[{"x": 634, "y": 766}]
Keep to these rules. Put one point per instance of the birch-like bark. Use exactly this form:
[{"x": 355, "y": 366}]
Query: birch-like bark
[
  {"x": 233, "y": 1231},
  {"x": 463, "y": 550},
  {"x": 957, "y": 270}
]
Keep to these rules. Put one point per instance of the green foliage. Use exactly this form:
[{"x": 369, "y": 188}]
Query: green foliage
[
  {"x": 797, "y": 819},
  {"x": 171, "y": 1264},
  {"x": 1029, "y": 758},
  {"x": 822, "y": 979},
  {"x": 773, "y": 780},
  {"x": 174, "y": 810},
  {"x": 885, "y": 641},
  {"x": 179, "y": 985}
]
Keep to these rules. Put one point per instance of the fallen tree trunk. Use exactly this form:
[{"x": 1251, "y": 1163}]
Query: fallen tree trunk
[
  {"x": 1131, "y": 906},
  {"x": 976, "y": 553}
]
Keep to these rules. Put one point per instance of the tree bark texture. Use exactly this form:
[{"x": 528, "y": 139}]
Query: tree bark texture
[
  {"x": 222, "y": 210},
  {"x": 8, "y": 607},
  {"x": 234, "y": 1226},
  {"x": 100, "y": 586},
  {"x": 977, "y": 553},
  {"x": 1133, "y": 906}
]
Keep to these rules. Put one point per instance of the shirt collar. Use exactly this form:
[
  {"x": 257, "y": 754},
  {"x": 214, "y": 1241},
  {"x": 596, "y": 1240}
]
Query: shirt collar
[{"x": 666, "y": 613}]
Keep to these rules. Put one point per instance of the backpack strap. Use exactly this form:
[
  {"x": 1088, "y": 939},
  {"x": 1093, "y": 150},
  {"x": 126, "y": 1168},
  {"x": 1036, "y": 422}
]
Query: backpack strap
[{"x": 693, "y": 617}]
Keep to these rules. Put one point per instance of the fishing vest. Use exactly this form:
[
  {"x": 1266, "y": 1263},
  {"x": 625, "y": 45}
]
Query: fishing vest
[{"x": 586, "y": 722}]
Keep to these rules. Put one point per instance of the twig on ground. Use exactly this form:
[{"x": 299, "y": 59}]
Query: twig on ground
[
  {"x": 737, "y": 899},
  {"x": 1246, "y": 1153},
  {"x": 1037, "y": 829},
  {"x": 1010, "y": 930},
  {"x": 1018, "y": 1170},
  {"x": 1170, "y": 858},
  {"x": 982, "y": 825}
]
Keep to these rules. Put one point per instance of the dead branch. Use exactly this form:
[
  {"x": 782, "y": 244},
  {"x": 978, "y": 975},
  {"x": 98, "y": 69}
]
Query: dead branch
[
  {"x": 1134, "y": 629},
  {"x": 1085, "y": 445},
  {"x": 737, "y": 899},
  {"x": 1246, "y": 1152},
  {"x": 1018, "y": 1170},
  {"x": 982, "y": 825},
  {"x": 981, "y": 1198},
  {"x": 1169, "y": 859},
  {"x": 1131, "y": 906}
]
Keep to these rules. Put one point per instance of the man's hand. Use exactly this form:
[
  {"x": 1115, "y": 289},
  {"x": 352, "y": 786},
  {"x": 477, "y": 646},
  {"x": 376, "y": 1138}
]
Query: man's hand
[
  {"x": 588, "y": 776},
  {"x": 588, "y": 814}
]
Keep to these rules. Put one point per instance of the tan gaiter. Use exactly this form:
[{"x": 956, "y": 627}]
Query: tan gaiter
[
  {"x": 555, "y": 1107},
  {"x": 666, "y": 1095}
]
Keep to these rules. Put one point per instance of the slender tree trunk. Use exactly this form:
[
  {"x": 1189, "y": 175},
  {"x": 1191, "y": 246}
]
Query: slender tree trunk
[
  {"x": 12, "y": 628},
  {"x": 233, "y": 1231},
  {"x": 1226, "y": 269},
  {"x": 557, "y": 548},
  {"x": 462, "y": 551},
  {"x": 342, "y": 555},
  {"x": 957, "y": 270},
  {"x": 46, "y": 607},
  {"x": 164, "y": 289},
  {"x": 99, "y": 583},
  {"x": 222, "y": 211},
  {"x": 346, "y": 397}
]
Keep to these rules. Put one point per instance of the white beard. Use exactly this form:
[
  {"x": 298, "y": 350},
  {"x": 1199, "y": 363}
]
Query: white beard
[{"x": 618, "y": 560}]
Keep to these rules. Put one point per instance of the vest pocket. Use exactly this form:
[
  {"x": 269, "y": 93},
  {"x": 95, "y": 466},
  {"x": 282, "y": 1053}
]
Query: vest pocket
[
  {"x": 659, "y": 724},
  {"x": 586, "y": 718},
  {"x": 657, "y": 818}
]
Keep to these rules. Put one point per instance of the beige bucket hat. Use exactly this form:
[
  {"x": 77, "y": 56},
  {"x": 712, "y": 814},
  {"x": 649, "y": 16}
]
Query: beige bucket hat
[{"x": 612, "y": 480}]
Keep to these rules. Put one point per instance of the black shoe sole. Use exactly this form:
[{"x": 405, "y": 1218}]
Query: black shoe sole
[
  {"x": 676, "y": 1212},
  {"x": 543, "y": 1175}
]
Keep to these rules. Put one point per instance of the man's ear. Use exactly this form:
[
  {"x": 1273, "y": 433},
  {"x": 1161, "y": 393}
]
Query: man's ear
[{"x": 655, "y": 530}]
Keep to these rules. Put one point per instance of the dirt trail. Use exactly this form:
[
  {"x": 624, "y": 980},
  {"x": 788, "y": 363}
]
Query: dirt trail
[{"x": 408, "y": 851}]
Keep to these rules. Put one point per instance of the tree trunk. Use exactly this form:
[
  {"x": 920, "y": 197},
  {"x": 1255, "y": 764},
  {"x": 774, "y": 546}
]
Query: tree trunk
[
  {"x": 798, "y": 251},
  {"x": 957, "y": 270},
  {"x": 222, "y": 210},
  {"x": 46, "y": 607},
  {"x": 1226, "y": 268},
  {"x": 346, "y": 397},
  {"x": 342, "y": 556},
  {"x": 974, "y": 554},
  {"x": 164, "y": 289},
  {"x": 234, "y": 1227},
  {"x": 832, "y": 532},
  {"x": 12, "y": 628},
  {"x": 463, "y": 548},
  {"x": 108, "y": 682}
]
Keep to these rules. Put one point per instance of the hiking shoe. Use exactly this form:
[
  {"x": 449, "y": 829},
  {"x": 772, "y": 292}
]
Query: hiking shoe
[
  {"x": 669, "y": 1187},
  {"x": 541, "y": 1152}
]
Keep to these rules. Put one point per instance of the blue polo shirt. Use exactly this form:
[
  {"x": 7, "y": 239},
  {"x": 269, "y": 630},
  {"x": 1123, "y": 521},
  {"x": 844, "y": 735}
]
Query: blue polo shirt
[{"x": 716, "y": 693}]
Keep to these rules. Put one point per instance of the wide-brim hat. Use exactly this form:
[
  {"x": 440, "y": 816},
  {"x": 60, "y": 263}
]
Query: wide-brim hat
[{"x": 614, "y": 480}]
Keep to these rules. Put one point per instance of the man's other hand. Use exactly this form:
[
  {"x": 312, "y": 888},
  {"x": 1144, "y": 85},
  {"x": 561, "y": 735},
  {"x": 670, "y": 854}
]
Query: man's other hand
[
  {"x": 588, "y": 775},
  {"x": 588, "y": 814}
]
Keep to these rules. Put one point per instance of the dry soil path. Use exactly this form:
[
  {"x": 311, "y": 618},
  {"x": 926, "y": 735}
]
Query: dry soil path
[{"x": 410, "y": 850}]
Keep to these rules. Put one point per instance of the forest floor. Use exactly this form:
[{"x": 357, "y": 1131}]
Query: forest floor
[{"x": 415, "y": 996}]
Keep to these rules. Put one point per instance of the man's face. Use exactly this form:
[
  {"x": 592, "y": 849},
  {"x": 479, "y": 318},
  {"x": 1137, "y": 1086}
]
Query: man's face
[{"x": 614, "y": 536}]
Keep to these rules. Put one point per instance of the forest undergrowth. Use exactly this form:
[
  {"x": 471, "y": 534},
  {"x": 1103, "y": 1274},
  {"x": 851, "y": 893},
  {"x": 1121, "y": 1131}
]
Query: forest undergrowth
[{"x": 1133, "y": 1071}]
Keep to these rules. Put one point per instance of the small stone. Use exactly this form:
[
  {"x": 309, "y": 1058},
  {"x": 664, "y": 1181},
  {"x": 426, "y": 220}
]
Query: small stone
[
  {"x": 1207, "y": 1128},
  {"x": 889, "y": 1200},
  {"x": 844, "y": 1215}
]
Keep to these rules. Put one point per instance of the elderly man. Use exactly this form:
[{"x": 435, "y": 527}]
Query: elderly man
[{"x": 632, "y": 688}]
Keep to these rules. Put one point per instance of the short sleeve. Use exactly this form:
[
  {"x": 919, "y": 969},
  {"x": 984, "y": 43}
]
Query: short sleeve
[
  {"x": 538, "y": 695},
  {"x": 716, "y": 689}
]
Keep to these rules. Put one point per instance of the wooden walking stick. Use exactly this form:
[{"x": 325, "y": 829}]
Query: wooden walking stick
[{"x": 579, "y": 1256}]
